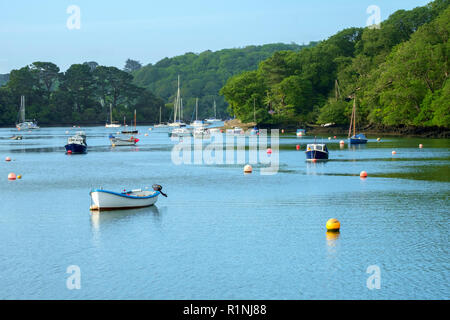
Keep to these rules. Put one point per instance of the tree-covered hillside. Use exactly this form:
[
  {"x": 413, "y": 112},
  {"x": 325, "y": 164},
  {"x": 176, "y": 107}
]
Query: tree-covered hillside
[
  {"x": 398, "y": 73},
  {"x": 203, "y": 75},
  {"x": 81, "y": 95}
]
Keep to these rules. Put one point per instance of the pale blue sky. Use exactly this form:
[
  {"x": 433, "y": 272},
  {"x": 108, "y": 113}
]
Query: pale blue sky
[{"x": 149, "y": 30}]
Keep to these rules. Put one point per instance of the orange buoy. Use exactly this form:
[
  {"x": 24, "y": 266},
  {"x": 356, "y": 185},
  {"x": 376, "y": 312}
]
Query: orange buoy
[
  {"x": 334, "y": 137},
  {"x": 420, "y": 146},
  {"x": 248, "y": 169},
  {"x": 393, "y": 152},
  {"x": 282, "y": 130},
  {"x": 333, "y": 225},
  {"x": 11, "y": 176},
  {"x": 298, "y": 147},
  {"x": 269, "y": 151},
  {"x": 363, "y": 174},
  {"x": 8, "y": 159},
  {"x": 69, "y": 151},
  {"x": 342, "y": 142}
]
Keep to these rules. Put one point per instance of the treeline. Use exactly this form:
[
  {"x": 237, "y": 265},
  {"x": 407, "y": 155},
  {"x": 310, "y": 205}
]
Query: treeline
[
  {"x": 81, "y": 95},
  {"x": 397, "y": 72},
  {"x": 203, "y": 75}
]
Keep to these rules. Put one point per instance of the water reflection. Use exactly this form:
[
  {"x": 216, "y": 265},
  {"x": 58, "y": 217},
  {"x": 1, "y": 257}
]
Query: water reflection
[
  {"x": 332, "y": 242},
  {"x": 104, "y": 218},
  {"x": 355, "y": 147}
]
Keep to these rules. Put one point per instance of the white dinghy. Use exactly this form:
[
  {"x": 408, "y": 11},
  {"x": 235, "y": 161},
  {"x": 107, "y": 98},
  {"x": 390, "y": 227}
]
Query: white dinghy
[{"x": 138, "y": 198}]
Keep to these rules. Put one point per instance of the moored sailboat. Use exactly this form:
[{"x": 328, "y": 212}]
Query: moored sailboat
[
  {"x": 359, "y": 138},
  {"x": 25, "y": 124},
  {"x": 111, "y": 124}
]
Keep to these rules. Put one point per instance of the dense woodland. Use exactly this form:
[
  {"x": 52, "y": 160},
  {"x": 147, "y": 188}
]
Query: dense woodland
[
  {"x": 398, "y": 74},
  {"x": 81, "y": 95},
  {"x": 203, "y": 75}
]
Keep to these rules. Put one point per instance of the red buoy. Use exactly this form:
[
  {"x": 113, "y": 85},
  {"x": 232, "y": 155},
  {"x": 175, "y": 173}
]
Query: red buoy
[
  {"x": 69, "y": 151},
  {"x": 269, "y": 151},
  {"x": 298, "y": 147},
  {"x": 8, "y": 159},
  {"x": 11, "y": 176},
  {"x": 363, "y": 174}
]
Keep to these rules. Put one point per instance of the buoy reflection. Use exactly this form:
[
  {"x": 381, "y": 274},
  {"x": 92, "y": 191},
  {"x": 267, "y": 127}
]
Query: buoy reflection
[{"x": 332, "y": 238}]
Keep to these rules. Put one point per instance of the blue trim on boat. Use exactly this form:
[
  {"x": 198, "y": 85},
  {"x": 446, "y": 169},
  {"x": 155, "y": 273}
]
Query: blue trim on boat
[{"x": 157, "y": 193}]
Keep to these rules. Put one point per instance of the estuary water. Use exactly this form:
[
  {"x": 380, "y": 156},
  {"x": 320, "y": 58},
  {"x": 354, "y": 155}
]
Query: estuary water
[{"x": 223, "y": 234}]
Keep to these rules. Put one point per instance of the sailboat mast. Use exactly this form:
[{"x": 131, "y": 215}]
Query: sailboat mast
[
  {"x": 351, "y": 120},
  {"x": 196, "y": 109},
  {"x": 134, "y": 119},
  {"x": 159, "y": 115},
  {"x": 177, "y": 102},
  {"x": 22, "y": 108},
  {"x": 215, "y": 117},
  {"x": 354, "y": 116},
  {"x": 254, "y": 110}
]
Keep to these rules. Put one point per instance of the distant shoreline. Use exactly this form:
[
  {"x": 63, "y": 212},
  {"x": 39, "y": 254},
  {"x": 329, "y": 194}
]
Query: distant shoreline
[{"x": 408, "y": 131}]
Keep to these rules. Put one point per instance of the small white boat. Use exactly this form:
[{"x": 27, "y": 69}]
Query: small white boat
[
  {"x": 119, "y": 141},
  {"x": 198, "y": 124},
  {"x": 180, "y": 132},
  {"x": 110, "y": 200},
  {"x": 201, "y": 133}
]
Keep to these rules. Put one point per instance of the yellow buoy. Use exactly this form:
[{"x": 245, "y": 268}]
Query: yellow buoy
[
  {"x": 19, "y": 177},
  {"x": 378, "y": 139},
  {"x": 333, "y": 225}
]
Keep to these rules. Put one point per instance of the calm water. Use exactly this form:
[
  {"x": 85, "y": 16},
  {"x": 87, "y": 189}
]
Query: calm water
[{"x": 222, "y": 234}]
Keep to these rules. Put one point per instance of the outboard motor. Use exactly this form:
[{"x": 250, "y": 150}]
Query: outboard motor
[{"x": 157, "y": 187}]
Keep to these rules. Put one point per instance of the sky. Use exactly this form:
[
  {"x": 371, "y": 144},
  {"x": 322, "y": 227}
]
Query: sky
[{"x": 110, "y": 32}]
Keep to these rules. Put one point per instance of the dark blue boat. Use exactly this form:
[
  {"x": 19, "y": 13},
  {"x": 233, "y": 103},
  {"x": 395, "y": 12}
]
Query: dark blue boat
[
  {"x": 316, "y": 151},
  {"x": 76, "y": 144},
  {"x": 358, "y": 139}
]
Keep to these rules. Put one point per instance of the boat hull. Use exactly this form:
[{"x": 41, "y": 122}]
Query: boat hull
[
  {"x": 122, "y": 142},
  {"x": 357, "y": 141},
  {"x": 76, "y": 148},
  {"x": 109, "y": 200},
  {"x": 180, "y": 134},
  {"x": 312, "y": 155}
]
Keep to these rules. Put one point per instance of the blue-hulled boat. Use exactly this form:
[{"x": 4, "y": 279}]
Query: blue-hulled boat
[
  {"x": 76, "y": 144},
  {"x": 316, "y": 151},
  {"x": 358, "y": 139},
  {"x": 355, "y": 138}
]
